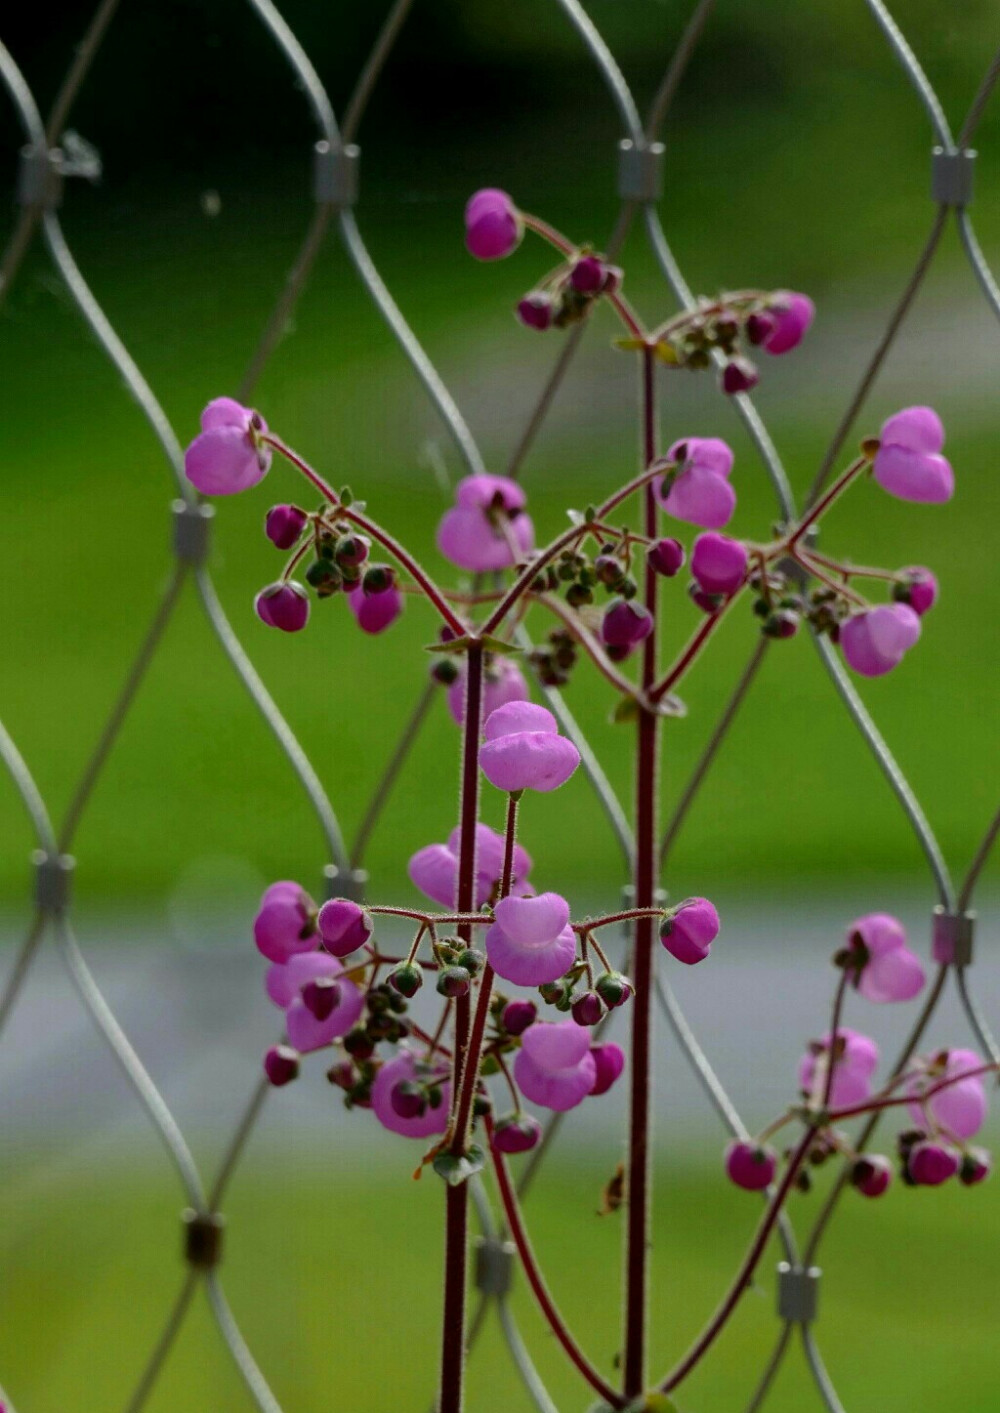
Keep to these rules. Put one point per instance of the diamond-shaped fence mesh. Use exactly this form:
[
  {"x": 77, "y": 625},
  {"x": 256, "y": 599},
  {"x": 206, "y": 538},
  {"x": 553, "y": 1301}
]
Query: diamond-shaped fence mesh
[{"x": 50, "y": 158}]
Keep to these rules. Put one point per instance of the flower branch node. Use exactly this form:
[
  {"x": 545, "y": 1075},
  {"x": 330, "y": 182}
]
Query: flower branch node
[
  {"x": 798, "y": 1292},
  {"x": 192, "y": 526}
]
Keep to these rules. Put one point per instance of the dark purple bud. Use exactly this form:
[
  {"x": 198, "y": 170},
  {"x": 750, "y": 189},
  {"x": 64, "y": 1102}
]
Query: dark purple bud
[
  {"x": 919, "y": 590},
  {"x": 587, "y": 275},
  {"x": 625, "y": 623},
  {"x": 408, "y": 1100},
  {"x": 343, "y": 1075},
  {"x": 588, "y": 1008},
  {"x": 284, "y": 524},
  {"x": 284, "y": 606},
  {"x": 614, "y": 989},
  {"x": 453, "y": 982},
  {"x": 930, "y": 1164},
  {"x": 759, "y": 328},
  {"x": 407, "y": 979},
  {"x": 609, "y": 1061},
  {"x": 517, "y": 1133},
  {"x": 358, "y": 1042},
  {"x": 782, "y": 624},
  {"x": 535, "y": 311},
  {"x": 751, "y": 1165},
  {"x": 739, "y": 375},
  {"x": 350, "y": 551},
  {"x": 321, "y": 996},
  {"x": 708, "y": 603},
  {"x": 976, "y": 1167},
  {"x": 518, "y": 1015},
  {"x": 666, "y": 557},
  {"x": 281, "y": 1065},
  {"x": 871, "y": 1175},
  {"x": 378, "y": 579}
]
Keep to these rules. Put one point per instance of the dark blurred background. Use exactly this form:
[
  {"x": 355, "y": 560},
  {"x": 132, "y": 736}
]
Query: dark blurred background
[{"x": 798, "y": 156}]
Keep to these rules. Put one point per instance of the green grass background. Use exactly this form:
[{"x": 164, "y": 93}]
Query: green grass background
[{"x": 334, "y": 1275}]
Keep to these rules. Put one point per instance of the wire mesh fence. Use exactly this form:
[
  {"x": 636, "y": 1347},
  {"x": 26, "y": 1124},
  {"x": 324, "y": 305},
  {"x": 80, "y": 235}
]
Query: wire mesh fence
[{"x": 49, "y": 161}]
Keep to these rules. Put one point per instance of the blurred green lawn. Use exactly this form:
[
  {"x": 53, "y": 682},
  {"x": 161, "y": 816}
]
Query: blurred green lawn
[{"x": 333, "y": 1270}]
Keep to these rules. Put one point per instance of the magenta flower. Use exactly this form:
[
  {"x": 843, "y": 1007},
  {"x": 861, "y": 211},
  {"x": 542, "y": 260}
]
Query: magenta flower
[
  {"x": 487, "y": 527},
  {"x": 691, "y": 929},
  {"x": 284, "y": 605},
  {"x": 751, "y": 1166},
  {"x": 718, "y": 563},
  {"x": 284, "y": 524},
  {"x": 930, "y": 1164},
  {"x": 434, "y": 870},
  {"x": 792, "y": 314},
  {"x": 908, "y": 463},
  {"x": 376, "y": 611},
  {"x": 625, "y": 623},
  {"x": 871, "y": 1174},
  {"x": 517, "y": 1133},
  {"x": 699, "y": 492},
  {"x": 307, "y": 1032},
  {"x": 666, "y": 557},
  {"x": 609, "y": 1061},
  {"x": 344, "y": 926},
  {"x": 535, "y": 311},
  {"x": 524, "y": 750},
  {"x": 284, "y": 981},
  {"x": 875, "y": 640},
  {"x": 493, "y": 225},
  {"x": 285, "y": 922},
  {"x": 890, "y": 971},
  {"x": 503, "y": 682},
  {"x": 854, "y": 1063},
  {"x": 531, "y": 941},
  {"x": 554, "y": 1066},
  {"x": 920, "y": 589},
  {"x": 227, "y": 455},
  {"x": 961, "y": 1109},
  {"x": 406, "y": 1070},
  {"x": 281, "y": 1065}
]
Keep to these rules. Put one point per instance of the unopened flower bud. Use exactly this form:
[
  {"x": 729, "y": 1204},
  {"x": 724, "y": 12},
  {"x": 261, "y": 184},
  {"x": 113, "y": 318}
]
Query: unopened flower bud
[
  {"x": 516, "y": 1133},
  {"x": 378, "y": 579},
  {"x": 407, "y": 979},
  {"x": 588, "y": 1008},
  {"x": 357, "y": 1042},
  {"x": 739, "y": 375},
  {"x": 666, "y": 557},
  {"x": 517, "y": 1016},
  {"x": 614, "y": 989},
  {"x": 929, "y": 1164},
  {"x": 283, "y": 605},
  {"x": 535, "y": 311},
  {"x": 976, "y": 1167},
  {"x": 751, "y": 1165},
  {"x": 471, "y": 961},
  {"x": 453, "y": 982},
  {"x": 871, "y": 1174},
  {"x": 284, "y": 524},
  {"x": 759, "y": 327},
  {"x": 281, "y": 1065},
  {"x": 587, "y": 275},
  {"x": 408, "y": 1100},
  {"x": 782, "y": 624},
  {"x": 445, "y": 671},
  {"x": 325, "y": 578},
  {"x": 321, "y": 996},
  {"x": 350, "y": 551}
]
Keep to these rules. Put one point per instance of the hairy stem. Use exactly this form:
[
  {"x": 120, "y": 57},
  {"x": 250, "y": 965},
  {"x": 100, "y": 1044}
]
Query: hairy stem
[
  {"x": 647, "y": 747},
  {"x": 457, "y": 1197}
]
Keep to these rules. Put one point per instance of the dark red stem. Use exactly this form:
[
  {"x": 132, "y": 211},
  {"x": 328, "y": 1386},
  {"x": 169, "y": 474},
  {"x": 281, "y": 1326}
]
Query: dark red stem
[
  {"x": 637, "y": 1225},
  {"x": 741, "y": 1281},
  {"x": 515, "y": 1222},
  {"x": 457, "y": 1197}
]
